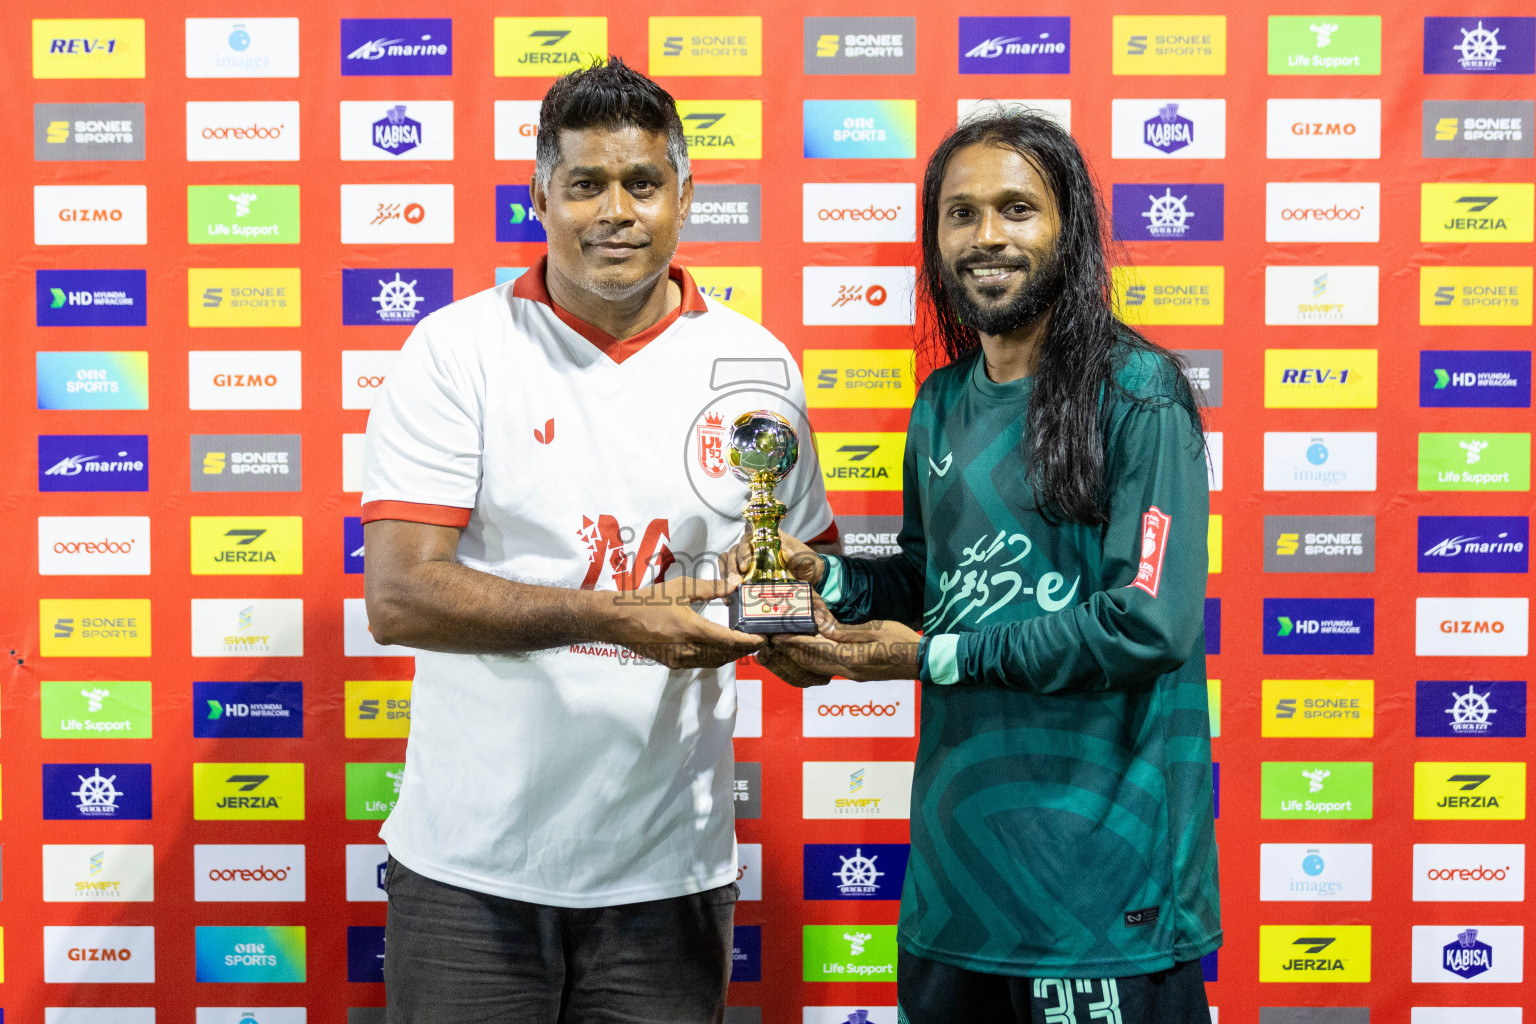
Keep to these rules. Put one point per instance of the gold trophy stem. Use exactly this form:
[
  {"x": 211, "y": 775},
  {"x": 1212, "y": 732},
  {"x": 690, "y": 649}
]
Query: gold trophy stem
[{"x": 763, "y": 513}]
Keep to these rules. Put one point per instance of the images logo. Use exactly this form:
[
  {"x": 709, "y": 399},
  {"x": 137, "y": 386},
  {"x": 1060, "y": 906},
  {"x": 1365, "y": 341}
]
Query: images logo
[
  {"x": 1320, "y": 295},
  {"x": 1015, "y": 46},
  {"x": 90, "y": 215},
  {"x": 99, "y": 873},
  {"x": 1184, "y": 129},
  {"x": 93, "y": 462},
  {"x": 1483, "y": 873},
  {"x": 1478, "y": 128},
  {"x": 860, "y": 461},
  {"x": 1475, "y": 296},
  {"x": 247, "y": 792},
  {"x": 867, "y": 871},
  {"x": 1316, "y": 129},
  {"x": 1319, "y": 707},
  {"x": 1450, "y": 378},
  {"x": 1320, "y": 378},
  {"x": 373, "y": 789},
  {"x": 1170, "y": 295},
  {"x": 860, "y": 46},
  {"x": 88, "y": 131},
  {"x": 1335, "y": 872},
  {"x": 87, "y": 47},
  {"x": 245, "y": 710},
  {"x": 396, "y": 214},
  {"x": 860, "y": 129},
  {"x": 247, "y": 545},
  {"x": 1344, "y": 625},
  {"x": 1457, "y": 212},
  {"x": 1473, "y": 543},
  {"x": 515, "y": 219},
  {"x": 1312, "y": 789},
  {"x": 1170, "y": 44},
  {"x": 93, "y": 380},
  {"x": 1469, "y": 790},
  {"x": 1333, "y": 45},
  {"x": 97, "y": 710},
  {"x": 91, "y": 298},
  {"x": 251, "y": 954},
  {"x": 1319, "y": 543},
  {"x": 1471, "y": 626},
  {"x": 706, "y": 46},
  {"x": 246, "y": 628},
  {"x": 863, "y": 212},
  {"x": 1479, "y": 46},
  {"x": 545, "y": 47},
  {"x": 834, "y": 952},
  {"x": 725, "y": 213},
  {"x": 397, "y": 130},
  {"x": 1474, "y": 462},
  {"x": 1322, "y": 212},
  {"x": 396, "y": 46},
  {"x": 1495, "y": 709},
  {"x": 1333, "y": 461},
  {"x": 856, "y": 378},
  {"x": 1169, "y": 213},
  {"x": 378, "y": 709},
  {"x": 242, "y": 47},
  {"x": 242, "y": 214},
  {"x": 242, "y": 297},
  {"x": 96, "y": 792},
  {"x": 1315, "y": 953},
  {"x": 248, "y": 874},
  {"x": 394, "y": 295}
]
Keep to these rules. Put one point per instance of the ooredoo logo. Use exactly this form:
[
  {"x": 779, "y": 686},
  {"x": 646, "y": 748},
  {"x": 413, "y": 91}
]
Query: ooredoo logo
[
  {"x": 1493, "y": 873},
  {"x": 843, "y": 708},
  {"x": 863, "y": 212},
  {"x": 244, "y": 873},
  {"x": 93, "y": 545},
  {"x": 1322, "y": 212},
  {"x": 363, "y": 372},
  {"x": 263, "y": 130}
]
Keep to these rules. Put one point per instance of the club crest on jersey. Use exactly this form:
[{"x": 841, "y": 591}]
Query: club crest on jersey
[
  {"x": 711, "y": 435},
  {"x": 1154, "y": 542}
]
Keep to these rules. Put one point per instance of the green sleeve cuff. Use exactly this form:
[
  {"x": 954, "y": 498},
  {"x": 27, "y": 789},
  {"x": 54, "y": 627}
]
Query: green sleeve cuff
[
  {"x": 941, "y": 664},
  {"x": 832, "y": 580}
]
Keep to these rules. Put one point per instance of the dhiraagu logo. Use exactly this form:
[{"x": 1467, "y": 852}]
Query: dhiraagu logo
[
  {"x": 722, "y": 129},
  {"x": 1487, "y": 212},
  {"x": 1325, "y": 45},
  {"x": 96, "y": 710},
  {"x": 1315, "y": 789},
  {"x": 741, "y": 288},
  {"x": 1170, "y": 44},
  {"x": 1475, "y": 462},
  {"x": 225, "y": 791},
  {"x": 1475, "y": 296},
  {"x": 251, "y": 953},
  {"x": 1170, "y": 295},
  {"x": 706, "y": 46},
  {"x": 92, "y": 380},
  {"x": 546, "y": 47},
  {"x": 373, "y": 789},
  {"x": 861, "y": 129},
  {"x": 854, "y": 952}
]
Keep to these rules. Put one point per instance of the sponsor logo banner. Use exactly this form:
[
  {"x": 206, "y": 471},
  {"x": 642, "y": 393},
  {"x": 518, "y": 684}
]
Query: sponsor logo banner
[
  {"x": 1471, "y": 626},
  {"x": 85, "y": 955},
  {"x": 747, "y": 789},
  {"x": 1170, "y": 295},
  {"x": 245, "y": 710},
  {"x": 1474, "y": 462},
  {"x": 861, "y": 461},
  {"x": 397, "y": 129},
  {"x": 1333, "y": 461},
  {"x": 1183, "y": 129},
  {"x": 90, "y": 215},
  {"x": 93, "y": 627},
  {"x": 242, "y": 47},
  {"x": 517, "y": 129},
  {"x": 856, "y": 789},
  {"x": 749, "y": 871},
  {"x": 848, "y": 871},
  {"x": 1335, "y": 45},
  {"x": 366, "y": 863},
  {"x": 1465, "y": 1015},
  {"x": 723, "y": 129},
  {"x": 352, "y": 544},
  {"x": 396, "y": 214},
  {"x": 546, "y": 47},
  {"x": 855, "y": 378},
  {"x": 87, "y": 48},
  {"x": 862, "y": 212},
  {"x": 1492, "y": 708},
  {"x": 242, "y": 214},
  {"x": 844, "y": 1014},
  {"x": 861, "y": 129},
  {"x": 1202, "y": 368},
  {"x": 1319, "y": 543},
  {"x": 1479, "y": 128},
  {"x": 1321, "y": 295},
  {"x": 362, "y": 374},
  {"x": 357, "y": 641},
  {"x": 365, "y": 953},
  {"x": 93, "y": 462},
  {"x": 242, "y": 297},
  {"x": 1319, "y": 707},
  {"x": 1170, "y": 44},
  {"x": 372, "y": 789},
  {"x": 1213, "y": 704},
  {"x": 725, "y": 213},
  {"x": 860, "y": 46},
  {"x": 1331, "y": 872},
  {"x": 262, "y": 130},
  {"x": 93, "y": 380},
  {"x": 1480, "y": 212},
  {"x": 846, "y": 708},
  {"x": 262, "y": 1015},
  {"x": 246, "y": 380},
  {"x": 99, "y": 873},
  {"x": 515, "y": 218},
  {"x": 1215, "y": 445},
  {"x": 393, "y": 295},
  {"x": 1015, "y": 46},
  {"x": 1454, "y": 379},
  {"x": 247, "y": 628},
  {"x": 378, "y": 708},
  {"x": 747, "y": 954},
  {"x": 225, "y": 791},
  {"x": 740, "y": 288},
  {"x": 1320, "y": 378},
  {"x": 251, "y": 953},
  {"x": 863, "y": 952},
  {"x": 1315, "y": 129},
  {"x": 870, "y": 536},
  {"x": 96, "y": 709},
  {"x": 706, "y": 46},
  {"x": 247, "y": 545},
  {"x": 847, "y": 296},
  {"x": 1469, "y": 790},
  {"x": 247, "y": 462},
  {"x": 1338, "y": 211},
  {"x": 1323, "y": 625},
  {"x": 1169, "y": 213},
  {"x": 97, "y": 792},
  {"x": 1480, "y": 953},
  {"x": 88, "y": 131},
  {"x": 1479, "y": 46},
  {"x": 1475, "y": 296},
  {"x": 1315, "y": 953},
  {"x": 91, "y": 298},
  {"x": 397, "y": 46},
  {"x": 352, "y": 462},
  {"x": 1468, "y": 873},
  {"x": 749, "y": 709},
  {"x": 248, "y": 874},
  {"x": 1473, "y": 543}
]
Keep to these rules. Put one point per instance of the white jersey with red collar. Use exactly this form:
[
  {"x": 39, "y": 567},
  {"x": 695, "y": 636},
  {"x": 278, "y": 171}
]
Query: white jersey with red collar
[{"x": 580, "y": 776}]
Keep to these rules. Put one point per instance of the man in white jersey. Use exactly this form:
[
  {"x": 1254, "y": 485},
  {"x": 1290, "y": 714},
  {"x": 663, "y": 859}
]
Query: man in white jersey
[{"x": 544, "y": 476}]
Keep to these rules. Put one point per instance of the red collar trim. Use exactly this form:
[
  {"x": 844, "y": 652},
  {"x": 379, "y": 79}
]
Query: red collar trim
[{"x": 531, "y": 286}]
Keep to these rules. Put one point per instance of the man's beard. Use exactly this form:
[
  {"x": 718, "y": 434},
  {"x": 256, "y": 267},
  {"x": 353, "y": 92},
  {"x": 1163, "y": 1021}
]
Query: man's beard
[{"x": 1040, "y": 292}]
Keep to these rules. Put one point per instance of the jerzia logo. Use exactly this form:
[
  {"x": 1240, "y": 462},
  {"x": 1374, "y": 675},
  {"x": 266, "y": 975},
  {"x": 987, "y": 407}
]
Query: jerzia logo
[{"x": 1314, "y": 953}]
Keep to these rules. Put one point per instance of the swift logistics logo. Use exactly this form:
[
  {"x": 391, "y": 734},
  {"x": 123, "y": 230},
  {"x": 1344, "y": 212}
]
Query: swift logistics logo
[
  {"x": 117, "y": 710},
  {"x": 515, "y": 219},
  {"x": 740, "y": 288},
  {"x": 243, "y": 954},
  {"x": 247, "y": 791},
  {"x": 1317, "y": 129},
  {"x": 259, "y": 130},
  {"x": 1315, "y": 789},
  {"x": 1320, "y": 378},
  {"x": 393, "y": 296},
  {"x": 722, "y": 129},
  {"x": 1319, "y": 707},
  {"x": 242, "y": 214},
  {"x": 1474, "y": 462},
  {"x": 1462, "y": 379},
  {"x": 247, "y": 628},
  {"x": 243, "y": 297},
  {"x": 90, "y": 215},
  {"x": 1474, "y": 544},
  {"x": 87, "y": 47},
  {"x": 99, "y": 873},
  {"x": 242, "y": 47},
  {"x": 397, "y": 130},
  {"x": 247, "y": 710},
  {"x": 1475, "y": 296},
  {"x": 1329, "y": 45},
  {"x": 1332, "y": 625},
  {"x": 97, "y": 791},
  {"x": 706, "y": 46},
  {"x": 1479, "y": 46},
  {"x": 1324, "y": 872},
  {"x": 858, "y": 212},
  {"x": 856, "y": 789},
  {"x": 377, "y": 708},
  {"x": 1169, "y": 44},
  {"x": 1344, "y": 211},
  {"x": 1170, "y": 295},
  {"x": 246, "y": 462},
  {"x": 91, "y": 298},
  {"x": 1496, "y": 627},
  {"x": 1015, "y": 46},
  {"x": 373, "y": 789},
  {"x": 862, "y": 461},
  {"x": 546, "y": 47},
  {"x": 1479, "y": 128},
  {"x": 1184, "y": 129},
  {"x": 858, "y": 378},
  {"x": 725, "y": 213},
  {"x": 1321, "y": 296},
  {"x": 1469, "y": 873},
  {"x": 1469, "y": 790},
  {"x": 860, "y": 129},
  {"x": 1481, "y": 954},
  {"x": 92, "y": 462},
  {"x": 1315, "y": 953},
  {"x": 860, "y": 46},
  {"x": 87, "y": 131},
  {"x": 1331, "y": 461},
  {"x": 401, "y": 214},
  {"x": 1319, "y": 543},
  {"x": 835, "y": 952},
  {"x": 396, "y": 46},
  {"x": 93, "y": 380},
  {"x": 248, "y": 873},
  {"x": 93, "y": 627},
  {"x": 848, "y": 871},
  {"x": 247, "y": 545},
  {"x": 1479, "y": 212},
  {"x": 1169, "y": 212},
  {"x": 1493, "y": 708}
]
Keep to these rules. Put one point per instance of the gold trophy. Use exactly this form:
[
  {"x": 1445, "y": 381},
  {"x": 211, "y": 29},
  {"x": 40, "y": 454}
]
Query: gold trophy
[{"x": 762, "y": 449}]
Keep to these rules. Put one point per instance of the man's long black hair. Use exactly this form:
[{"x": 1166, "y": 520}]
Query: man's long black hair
[{"x": 1085, "y": 345}]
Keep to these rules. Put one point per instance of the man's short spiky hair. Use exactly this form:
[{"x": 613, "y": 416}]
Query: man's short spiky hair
[{"x": 607, "y": 95}]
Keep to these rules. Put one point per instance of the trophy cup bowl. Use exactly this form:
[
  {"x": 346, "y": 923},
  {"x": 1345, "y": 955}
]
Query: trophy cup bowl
[{"x": 761, "y": 450}]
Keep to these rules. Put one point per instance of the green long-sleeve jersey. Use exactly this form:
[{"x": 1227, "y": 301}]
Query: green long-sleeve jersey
[{"x": 1061, "y": 804}]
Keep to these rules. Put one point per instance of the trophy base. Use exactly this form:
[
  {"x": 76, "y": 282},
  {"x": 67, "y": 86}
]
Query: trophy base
[{"x": 781, "y": 607}]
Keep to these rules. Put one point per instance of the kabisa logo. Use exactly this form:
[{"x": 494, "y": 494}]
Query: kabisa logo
[
  {"x": 1169, "y": 44},
  {"x": 93, "y": 462},
  {"x": 1469, "y": 790},
  {"x": 1320, "y": 378},
  {"x": 254, "y": 792},
  {"x": 1169, "y": 213},
  {"x": 88, "y": 131},
  {"x": 352, "y": 545},
  {"x": 93, "y": 380},
  {"x": 394, "y": 295},
  {"x": 1485, "y": 212},
  {"x": 865, "y": 952},
  {"x": 242, "y": 214},
  {"x": 396, "y": 129},
  {"x": 725, "y": 213},
  {"x": 1479, "y": 128},
  {"x": 1479, "y": 46},
  {"x": 96, "y": 792},
  {"x": 1482, "y": 296},
  {"x": 396, "y": 46},
  {"x": 1170, "y": 294},
  {"x": 99, "y": 710},
  {"x": 1474, "y": 544},
  {"x": 1474, "y": 462},
  {"x": 378, "y": 708},
  {"x": 706, "y": 46},
  {"x": 1162, "y": 129},
  {"x": 396, "y": 134},
  {"x": 1015, "y": 46},
  {"x": 91, "y": 298},
  {"x": 860, "y": 129},
  {"x": 867, "y": 871},
  {"x": 367, "y": 868},
  {"x": 1319, "y": 543},
  {"x": 244, "y": 710},
  {"x": 515, "y": 219},
  {"x": 242, "y": 47},
  {"x": 1315, "y": 953},
  {"x": 272, "y": 953},
  {"x": 860, "y": 461},
  {"x": 546, "y": 47},
  {"x": 247, "y": 545},
  {"x": 1494, "y": 708},
  {"x": 1331, "y": 45},
  {"x": 1467, "y": 957},
  {"x": 860, "y": 46},
  {"x": 1169, "y": 131},
  {"x": 246, "y": 462},
  {"x": 1343, "y": 625},
  {"x": 1463, "y": 379},
  {"x": 373, "y": 789},
  {"x": 87, "y": 48}
]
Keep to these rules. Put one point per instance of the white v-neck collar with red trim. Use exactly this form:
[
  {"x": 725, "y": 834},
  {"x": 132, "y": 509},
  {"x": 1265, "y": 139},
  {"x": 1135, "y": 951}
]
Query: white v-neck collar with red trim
[{"x": 531, "y": 286}]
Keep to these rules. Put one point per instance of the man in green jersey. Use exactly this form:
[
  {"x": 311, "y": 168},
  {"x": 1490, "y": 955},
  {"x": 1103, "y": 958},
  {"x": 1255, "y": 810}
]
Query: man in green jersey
[{"x": 1053, "y": 553}]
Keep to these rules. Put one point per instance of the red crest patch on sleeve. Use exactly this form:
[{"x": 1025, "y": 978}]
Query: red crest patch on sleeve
[{"x": 1154, "y": 541}]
